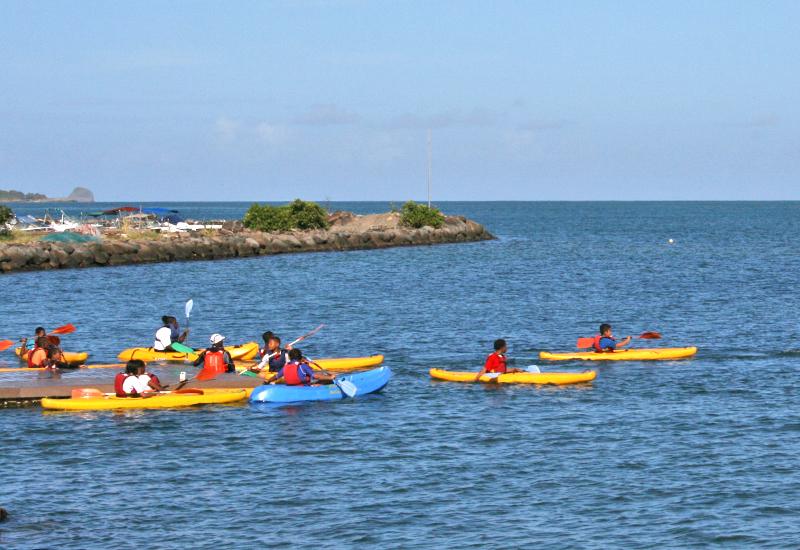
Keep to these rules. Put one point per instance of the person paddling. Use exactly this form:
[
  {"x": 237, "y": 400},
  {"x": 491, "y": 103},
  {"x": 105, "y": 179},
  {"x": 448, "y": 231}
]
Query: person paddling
[
  {"x": 605, "y": 341},
  {"x": 215, "y": 360},
  {"x": 148, "y": 379},
  {"x": 497, "y": 362},
  {"x": 168, "y": 334},
  {"x": 273, "y": 356},
  {"x": 297, "y": 372},
  {"x": 25, "y": 347},
  {"x": 128, "y": 383},
  {"x": 38, "y": 355}
]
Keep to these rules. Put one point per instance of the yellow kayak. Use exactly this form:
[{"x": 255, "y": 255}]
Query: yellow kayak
[
  {"x": 71, "y": 357},
  {"x": 555, "y": 378},
  {"x": 339, "y": 364},
  {"x": 149, "y": 354},
  {"x": 652, "y": 354},
  {"x": 159, "y": 401}
]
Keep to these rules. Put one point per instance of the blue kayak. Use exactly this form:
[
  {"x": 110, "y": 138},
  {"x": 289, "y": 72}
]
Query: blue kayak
[{"x": 370, "y": 381}]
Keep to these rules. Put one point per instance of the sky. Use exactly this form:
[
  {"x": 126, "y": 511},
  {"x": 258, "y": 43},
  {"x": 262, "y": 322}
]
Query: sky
[{"x": 332, "y": 100}]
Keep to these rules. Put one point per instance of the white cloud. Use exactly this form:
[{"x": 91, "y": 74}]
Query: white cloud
[
  {"x": 226, "y": 129},
  {"x": 272, "y": 134}
]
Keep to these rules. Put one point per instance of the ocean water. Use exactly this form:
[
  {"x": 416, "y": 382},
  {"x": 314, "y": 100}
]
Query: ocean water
[{"x": 702, "y": 452}]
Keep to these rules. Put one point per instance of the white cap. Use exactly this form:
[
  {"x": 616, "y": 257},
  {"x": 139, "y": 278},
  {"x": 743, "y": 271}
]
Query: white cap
[{"x": 217, "y": 338}]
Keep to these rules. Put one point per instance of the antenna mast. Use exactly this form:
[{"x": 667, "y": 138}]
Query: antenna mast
[{"x": 430, "y": 160}]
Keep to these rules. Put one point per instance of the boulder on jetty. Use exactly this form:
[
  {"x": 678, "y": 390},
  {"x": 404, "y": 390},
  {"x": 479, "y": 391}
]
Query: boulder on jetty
[{"x": 347, "y": 231}]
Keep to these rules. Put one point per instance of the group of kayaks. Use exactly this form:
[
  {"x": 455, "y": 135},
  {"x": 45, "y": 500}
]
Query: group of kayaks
[{"x": 350, "y": 384}]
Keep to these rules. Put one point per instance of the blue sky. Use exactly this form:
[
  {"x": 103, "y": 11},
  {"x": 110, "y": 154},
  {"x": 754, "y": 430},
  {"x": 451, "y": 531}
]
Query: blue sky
[{"x": 332, "y": 99}]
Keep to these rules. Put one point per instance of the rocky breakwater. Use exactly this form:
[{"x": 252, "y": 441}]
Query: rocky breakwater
[{"x": 346, "y": 232}]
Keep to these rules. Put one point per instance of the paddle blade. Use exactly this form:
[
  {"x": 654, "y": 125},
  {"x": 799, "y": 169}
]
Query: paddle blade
[
  {"x": 584, "y": 343},
  {"x": 5, "y": 344},
  {"x": 650, "y": 335},
  {"x": 205, "y": 375},
  {"x": 347, "y": 387},
  {"x": 66, "y": 329},
  {"x": 189, "y": 307},
  {"x": 180, "y": 348},
  {"x": 532, "y": 368}
]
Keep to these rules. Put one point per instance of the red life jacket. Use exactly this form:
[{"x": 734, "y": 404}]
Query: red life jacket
[
  {"x": 292, "y": 375},
  {"x": 596, "y": 344},
  {"x": 119, "y": 380},
  {"x": 496, "y": 362},
  {"x": 214, "y": 362},
  {"x": 35, "y": 360},
  {"x": 154, "y": 378}
]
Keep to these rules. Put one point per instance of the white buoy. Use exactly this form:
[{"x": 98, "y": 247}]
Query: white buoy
[{"x": 671, "y": 241}]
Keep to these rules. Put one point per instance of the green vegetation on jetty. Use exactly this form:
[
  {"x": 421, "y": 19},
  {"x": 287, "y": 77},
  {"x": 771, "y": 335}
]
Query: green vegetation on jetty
[
  {"x": 417, "y": 215},
  {"x": 296, "y": 215}
]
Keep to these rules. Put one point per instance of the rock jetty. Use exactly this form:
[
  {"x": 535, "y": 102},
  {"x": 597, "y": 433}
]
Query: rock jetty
[{"x": 346, "y": 232}]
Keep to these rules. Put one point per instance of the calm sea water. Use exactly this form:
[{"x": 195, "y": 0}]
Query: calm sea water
[{"x": 703, "y": 452}]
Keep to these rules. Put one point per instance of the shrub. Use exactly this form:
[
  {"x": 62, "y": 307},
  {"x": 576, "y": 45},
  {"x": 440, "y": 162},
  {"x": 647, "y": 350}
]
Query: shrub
[
  {"x": 419, "y": 215},
  {"x": 296, "y": 215},
  {"x": 6, "y": 215}
]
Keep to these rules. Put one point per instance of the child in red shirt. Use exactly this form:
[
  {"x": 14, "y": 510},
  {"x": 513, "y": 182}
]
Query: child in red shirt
[{"x": 496, "y": 363}]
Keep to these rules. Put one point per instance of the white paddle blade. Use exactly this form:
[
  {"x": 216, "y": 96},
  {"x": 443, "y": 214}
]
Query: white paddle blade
[
  {"x": 189, "y": 307},
  {"x": 347, "y": 387},
  {"x": 532, "y": 368}
]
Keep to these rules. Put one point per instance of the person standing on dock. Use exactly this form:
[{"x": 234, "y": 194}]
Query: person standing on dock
[{"x": 168, "y": 334}]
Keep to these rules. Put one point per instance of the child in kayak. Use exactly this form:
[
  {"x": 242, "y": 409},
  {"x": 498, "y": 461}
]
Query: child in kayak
[
  {"x": 148, "y": 379},
  {"x": 168, "y": 334},
  {"x": 496, "y": 363},
  {"x": 272, "y": 356},
  {"x": 128, "y": 383},
  {"x": 298, "y": 372},
  {"x": 605, "y": 341}
]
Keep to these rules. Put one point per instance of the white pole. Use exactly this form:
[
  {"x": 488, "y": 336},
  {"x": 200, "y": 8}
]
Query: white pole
[{"x": 430, "y": 160}]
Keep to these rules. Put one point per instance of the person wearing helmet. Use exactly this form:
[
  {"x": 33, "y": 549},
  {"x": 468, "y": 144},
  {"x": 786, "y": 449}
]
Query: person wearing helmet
[{"x": 215, "y": 360}]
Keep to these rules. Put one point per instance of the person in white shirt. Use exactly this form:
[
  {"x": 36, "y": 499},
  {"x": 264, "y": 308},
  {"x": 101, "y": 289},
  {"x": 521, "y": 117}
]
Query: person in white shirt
[{"x": 168, "y": 334}]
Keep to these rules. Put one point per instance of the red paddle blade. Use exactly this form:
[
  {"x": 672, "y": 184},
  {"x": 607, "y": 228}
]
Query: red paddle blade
[
  {"x": 584, "y": 343},
  {"x": 650, "y": 335},
  {"x": 5, "y": 344},
  {"x": 204, "y": 375},
  {"x": 66, "y": 329}
]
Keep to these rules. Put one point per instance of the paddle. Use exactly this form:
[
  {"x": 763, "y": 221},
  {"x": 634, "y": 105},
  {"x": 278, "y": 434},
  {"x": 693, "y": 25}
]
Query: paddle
[
  {"x": 589, "y": 342},
  {"x": 69, "y": 328},
  {"x": 187, "y": 309},
  {"x": 532, "y": 368},
  {"x": 308, "y": 335},
  {"x": 5, "y": 344},
  {"x": 181, "y": 348},
  {"x": 290, "y": 344},
  {"x": 346, "y": 386}
]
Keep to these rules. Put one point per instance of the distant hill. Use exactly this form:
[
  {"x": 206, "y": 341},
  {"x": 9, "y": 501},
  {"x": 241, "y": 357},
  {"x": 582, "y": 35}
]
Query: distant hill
[
  {"x": 79, "y": 194},
  {"x": 19, "y": 196}
]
